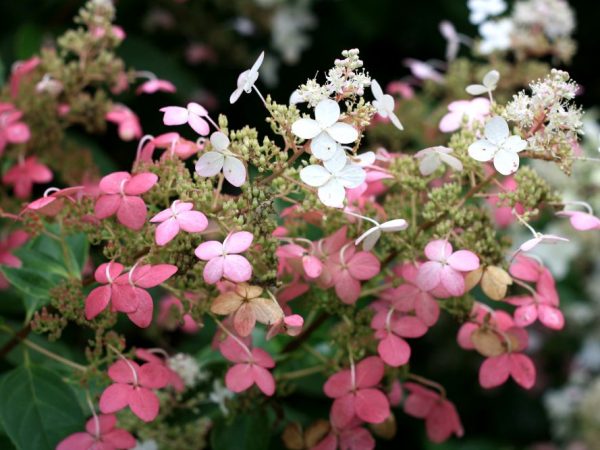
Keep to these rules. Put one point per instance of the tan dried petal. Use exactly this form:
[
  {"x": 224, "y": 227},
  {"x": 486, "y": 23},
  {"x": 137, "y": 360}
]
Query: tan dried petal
[
  {"x": 292, "y": 437},
  {"x": 316, "y": 432},
  {"x": 495, "y": 282},
  {"x": 248, "y": 291},
  {"x": 487, "y": 342},
  {"x": 267, "y": 310},
  {"x": 472, "y": 278},
  {"x": 226, "y": 303},
  {"x": 386, "y": 429},
  {"x": 244, "y": 319}
]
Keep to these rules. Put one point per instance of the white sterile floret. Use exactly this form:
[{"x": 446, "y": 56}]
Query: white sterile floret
[
  {"x": 490, "y": 83},
  {"x": 187, "y": 368},
  {"x": 431, "y": 158},
  {"x": 333, "y": 178},
  {"x": 219, "y": 395},
  {"x": 384, "y": 103},
  {"x": 246, "y": 80},
  {"x": 498, "y": 146},
  {"x": 370, "y": 237},
  {"x": 219, "y": 158},
  {"x": 325, "y": 130},
  {"x": 482, "y": 9},
  {"x": 495, "y": 35}
]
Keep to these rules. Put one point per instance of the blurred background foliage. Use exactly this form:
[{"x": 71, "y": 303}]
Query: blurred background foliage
[{"x": 202, "y": 45}]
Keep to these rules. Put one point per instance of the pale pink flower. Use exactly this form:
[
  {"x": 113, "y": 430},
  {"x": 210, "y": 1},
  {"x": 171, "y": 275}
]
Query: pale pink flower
[
  {"x": 172, "y": 142},
  {"x": 126, "y": 120},
  {"x": 180, "y": 216},
  {"x": 441, "y": 418},
  {"x": 423, "y": 70},
  {"x": 100, "y": 434},
  {"x": 348, "y": 268},
  {"x": 446, "y": 267},
  {"x": 224, "y": 259},
  {"x": 475, "y": 110},
  {"x": 120, "y": 195},
  {"x": 250, "y": 367},
  {"x": 580, "y": 220},
  {"x": 356, "y": 393},
  {"x": 194, "y": 115},
  {"x": 133, "y": 386},
  {"x": 24, "y": 174},
  {"x": 540, "y": 238},
  {"x": 155, "y": 85},
  {"x": 12, "y": 129}
]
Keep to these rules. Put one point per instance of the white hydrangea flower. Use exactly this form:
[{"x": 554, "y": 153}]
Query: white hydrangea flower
[
  {"x": 498, "y": 146},
  {"x": 219, "y": 395},
  {"x": 246, "y": 80},
  {"x": 213, "y": 161},
  {"x": 384, "y": 103},
  {"x": 495, "y": 35},
  {"x": 187, "y": 368},
  {"x": 489, "y": 84},
  {"x": 333, "y": 178},
  {"x": 431, "y": 158},
  {"x": 482, "y": 9},
  {"x": 325, "y": 130},
  {"x": 370, "y": 237}
]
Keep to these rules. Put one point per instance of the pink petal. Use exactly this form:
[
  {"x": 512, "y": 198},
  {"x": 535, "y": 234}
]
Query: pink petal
[
  {"x": 338, "y": 384},
  {"x": 107, "y": 205},
  {"x": 343, "y": 410},
  {"x": 419, "y": 406},
  {"x": 144, "y": 404},
  {"x": 525, "y": 268},
  {"x": 239, "y": 377},
  {"x": 236, "y": 268},
  {"x": 233, "y": 351},
  {"x": 244, "y": 320},
  {"x": 166, "y": 231},
  {"x": 162, "y": 216},
  {"x": 154, "y": 375},
  {"x": 192, "y": 221},
  {"x": 429, "y": 275},
  {"x": 369, "y": 372},
  {"x": 142, "y": 316},
  {"x": 525, "y": 315},
  {"x": 198, "y": 124},
  {"x": 393, "y": 350},
  {"x": 112, "y": 183},
  {"x": 114, "y": 270},
  {"x": 522, "y": 370},
  {"x": 238, "y": 242},
  {"x": 132, "y": 212},
  {"x": 124, "y": 298},
  {"x": 438, "y": 250},
  {"x": 427, "y": 309},
  {"x": 174, "y": 115},
  {"x": 102, "y": 424},
  {"x": 264, "y": 380},
  {"x": 123, "y": 372},
  {"x": 97, "y": 301},
  {"x": 371, "y": 405},
  {"x": 356, "y": 438},
  {"x": 119, "y": 439},
  {"x": 76, "y": 441},
  {"x": 442, "y": 422},
  {"x": 312, "y": 266},
  {"x": 453, "y": 281},
  {"x": 464, "y": 335},
  {"x": 364, "y": 266},
  {"x": 140, "y": 183},
  {"x": 155, "y": 276},
  {"x": 347, "y": 288},
  {"x": 262, "y": 358},
  {"x": 209, "y": 250},
  {"x": 409, "y": 327},
  {"x": 115, "y": 397},
  {"x": 494, "y": 371},
  {"x": 464, "y": 261},
  {"x": 551, "y": 317},
  {"x": 213, "y": 271}
]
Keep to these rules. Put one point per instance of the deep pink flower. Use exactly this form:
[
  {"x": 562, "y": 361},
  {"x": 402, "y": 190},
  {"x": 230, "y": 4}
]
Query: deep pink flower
[
  {"x": 250, "y": 367},
  {"x": 441, "y": 418},
  {"x": 24, "y": 174},
  {"x": 423, "y": 304},
  {"x": 155, "y": 85},
  {"x": 349, "y": 437},
  {"x": 180, "y": 216},
  {"x": 224, "y": 259},
  {"x": 120, "y": 194},
  {"x": 580, "y": 220},
  {"x": 445, "y": 267},
  {"x": 194, "y": 115},
  {"x": 100, "y": 434},
  {"x": 133, "y": 386},
  {"x": 20, "y": 70},
  {"x": 12, "y": 130},
  {"x": 11, "y": 242},
  {"x": 53, "y": 201},
  {"x": 165, "y": 316},
  {"x": 348, "y": 269},
  {"x": 496, "y": 370},
  {"x": 150, "y": 356},
  {"x": 356, "y": 394},
  {"x": 474, "y": 110},
  {"x": 127, "y": 121}
]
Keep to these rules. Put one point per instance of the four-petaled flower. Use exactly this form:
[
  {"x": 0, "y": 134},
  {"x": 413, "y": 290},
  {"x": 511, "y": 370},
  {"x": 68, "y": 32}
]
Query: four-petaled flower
[
  {"x": 498, "y": 146},
  {"x": 120, "y": 194},
  {"x": 348, "y": 268},
  {"x": 489, "y": 84},
  {"x": 224, "y": 260},
  {"x": 24, "y": 174},
  {"x": 100, "y": 434},
  {"x": 246, "y": 79},
  {"x": 580, "y": 220},
  {"x": 325, "y": 130},
  {"x": 221, "y": 158},
  {"x": 384, "y": 104},
  {"x": 194, "y": 115},
  {"x": 431, "y": 158},
  {"x": 128, "y": 123},
  {"x": 155, "y": 85},
  {"x": 179, "y": 216},
  {"x": 474, "y": 110}
]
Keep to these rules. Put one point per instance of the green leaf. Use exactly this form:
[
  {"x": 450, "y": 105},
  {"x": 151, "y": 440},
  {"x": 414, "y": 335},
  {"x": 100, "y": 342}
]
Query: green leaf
[
  {"x": 247, "y": 431},
  {"x": 29, "y": 282},
  {"x": 38, "y": 409}
]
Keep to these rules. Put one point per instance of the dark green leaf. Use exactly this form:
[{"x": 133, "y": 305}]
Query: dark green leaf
[
  {"x": 28, "y": 282},
  {"x": 248, "y": 431}
]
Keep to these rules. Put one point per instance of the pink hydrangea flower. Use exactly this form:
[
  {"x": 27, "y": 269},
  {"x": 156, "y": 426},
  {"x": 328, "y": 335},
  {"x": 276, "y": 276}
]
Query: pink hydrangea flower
[
  {"x": 250, "y": 367},
  {"x": 580, "y": 220},
  {"x": 120, "y": 194},
  {"x": 13, "y": 241},
  {"x": 172, "y": 142},
  {"x": 164, "y": 319},
  {"x": 12, "y": 130},
  {"x": 155, "y": 85},
  {"x": 445, "y": 267},
  {"x": 194, "y": 115},
  {"x": 151, "y": 356},
  {"x": 20, "y": 70},
  {"x": 441, "y": 418},
  {"x": 24, "y": 174},
  {"x": 224, "y": 259},
  {"x": 127, "y": 121},
  {"x": 290, "y": 325},
  {"x": 348, "y": 269},
  {"x": 100, "y": 434},
  {"x": 133, "y": 386},
  {"x": 350, "y": 437},
  {"x": 356, "y": 394},
  {"x": 53, "y": 201},
  {"x": 180, "y": 216},
  {"x": 475, "y": 110},
  {"x": 503, "y": 215}
]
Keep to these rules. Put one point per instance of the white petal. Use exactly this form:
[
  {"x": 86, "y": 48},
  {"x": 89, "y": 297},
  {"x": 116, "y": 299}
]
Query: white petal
[
  {"x": 219, "y": 141},
  {"x": 235, "y": 95},
  {"x": 370, "y": 238},
  {"x": 234, "y": 171},
  {"x": 429, "y": 163},
  {"x": 396, "y": 121},
  {"x": 530, "y": 244},
  {"x": 394, "y": 225},
  {"x": 258, "y": 62},
  {"x": 515, "y": 144},
  {"x": 332, "y": 194},
  {"x": 306, "y": 128},
  {"x": 506, "y": 162},
  {"x": 482, "y": 150},
  {"x": 490, "y": 80},
  {"x": 296, "y": 98},
  {"x": 327, "y": 112},
  {"x": 351, "y": 176},
  {"x": 476, "y": 89},
  {"x": 210, "y": 164},
  {"x": 380, "y": 107},
  {"x": 376, "y": 90},
  {"x": 388, "y": 103},
  {"x": 452, "y": 161},
  {"x": 323, "y": 146},
  {"x": 337, "y": 162},
  {"x": 366, "y": 158},
  {"x": 496, "y": 130},
  {"x": 197, "y": 109},
  {"x": 315, "y": 175},
  {"x": 343, "y": 132}
]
